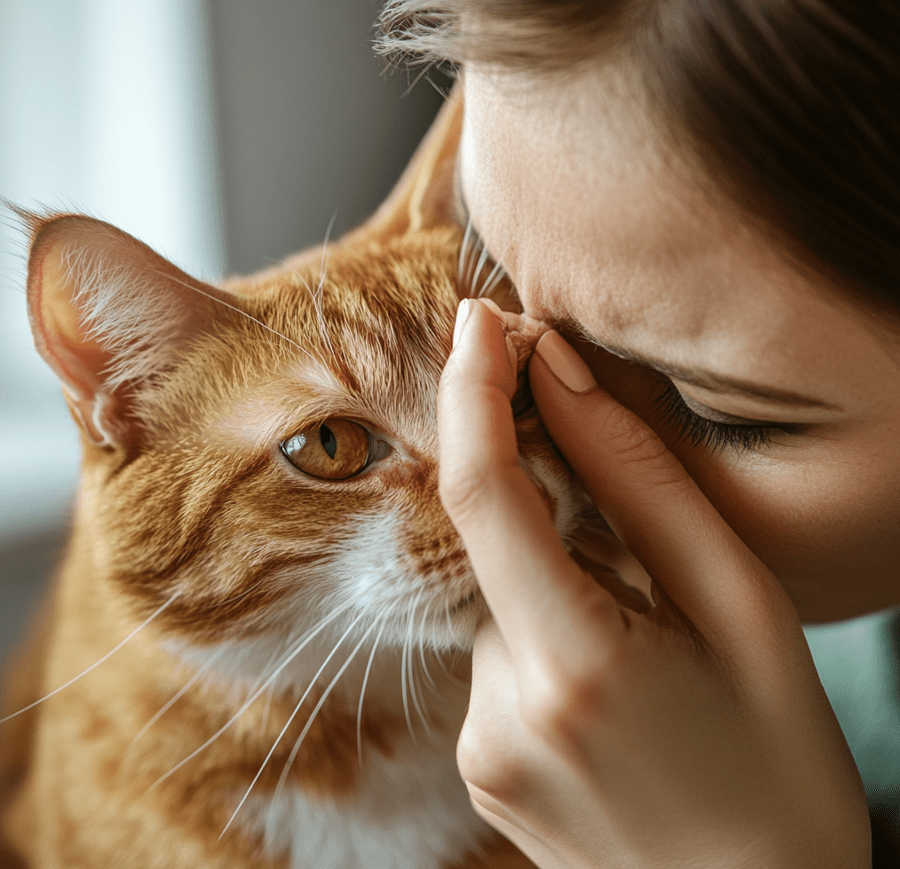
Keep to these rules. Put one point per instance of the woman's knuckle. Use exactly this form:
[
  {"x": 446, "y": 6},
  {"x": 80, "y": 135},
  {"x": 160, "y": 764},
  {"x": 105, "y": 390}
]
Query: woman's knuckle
[
  {"x": 467, "y": 491},
  {"x": 460, "y": 490},
  {"x": 561, "y": 707},
  {"x": 635, "y": 444},
  {"x": 488, "y": 763},
  {"x": 629, "y": 436}
]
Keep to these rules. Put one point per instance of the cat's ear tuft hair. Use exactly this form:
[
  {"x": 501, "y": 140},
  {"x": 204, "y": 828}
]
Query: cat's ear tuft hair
[{"x": 106, "y": 313}]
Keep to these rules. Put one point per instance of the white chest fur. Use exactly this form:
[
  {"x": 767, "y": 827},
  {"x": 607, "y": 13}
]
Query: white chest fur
[{"x": 410, "y": 811}]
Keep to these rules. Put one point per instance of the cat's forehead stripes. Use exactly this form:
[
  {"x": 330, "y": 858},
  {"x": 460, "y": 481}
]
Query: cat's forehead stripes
[
  {"x": 301, "y": 393},
  {"x": 366, "y": 336},
  {"x": 305, "y": 393}
]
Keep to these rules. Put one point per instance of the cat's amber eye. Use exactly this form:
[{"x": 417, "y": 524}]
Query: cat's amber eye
[{"x": 331, "y": 450}]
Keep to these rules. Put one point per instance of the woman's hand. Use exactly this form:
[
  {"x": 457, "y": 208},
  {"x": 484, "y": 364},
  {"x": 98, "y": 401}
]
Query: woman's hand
[{"x": 694, "y": 734}]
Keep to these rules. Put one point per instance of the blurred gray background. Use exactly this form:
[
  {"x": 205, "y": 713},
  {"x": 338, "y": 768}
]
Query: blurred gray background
[{"x": 227, "y": 134}]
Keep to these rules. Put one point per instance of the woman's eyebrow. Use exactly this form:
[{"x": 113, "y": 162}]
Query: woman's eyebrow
[
  {"x": 701, "y": 378},
  {"x": 709, "y": 380}
]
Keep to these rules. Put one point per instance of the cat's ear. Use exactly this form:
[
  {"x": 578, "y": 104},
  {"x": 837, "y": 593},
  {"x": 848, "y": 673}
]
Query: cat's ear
[
  {"x": 424, "y": 195},
  {"x": 107, "y": 312}
]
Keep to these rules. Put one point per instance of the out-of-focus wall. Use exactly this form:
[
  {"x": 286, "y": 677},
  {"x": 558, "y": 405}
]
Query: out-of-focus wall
[{"x": 311, "y": 124}]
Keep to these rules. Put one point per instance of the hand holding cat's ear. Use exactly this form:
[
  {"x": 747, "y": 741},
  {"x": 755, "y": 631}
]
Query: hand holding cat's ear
[{"x": 696, "y": 733}]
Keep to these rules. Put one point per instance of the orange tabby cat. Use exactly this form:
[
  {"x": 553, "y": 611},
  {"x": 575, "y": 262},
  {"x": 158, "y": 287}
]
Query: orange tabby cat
[{"x": 269, "y": 607}]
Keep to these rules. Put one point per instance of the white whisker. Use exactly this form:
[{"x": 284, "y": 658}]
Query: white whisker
[
  {"x": 362, "y": 693},
  {"x": 471, "y": 255},
  {"x": 324, "y": 264},
  {"x": 312, "y": 715},
  {"x": 264, "y": 721},
  {"x": 468, "y": 257},
  {"x": 479, "y": 268},
  {"x": 290, "y": 719},
  {"x": 325, "y": 246},
  {"x": 471, "y": 259},
  {"x": 494, "y": 278},
  {"x": 463, "y": 251},
  {"x": 408, "y": 672},
  {"x": 419, "y": 702},
  {"x": 454, "y": 657},
  {"x": 422, "y": 648},
  {"x": 403, "y": 678},
  {"x": 414, "y": 691},
  {"x": 316, "y": 297},
  {"x": 301, "y": 644},
  {"x": 200, "y": 672},
  {"x": 237, "y": 310},
  {"x": 93, "y": 666}
]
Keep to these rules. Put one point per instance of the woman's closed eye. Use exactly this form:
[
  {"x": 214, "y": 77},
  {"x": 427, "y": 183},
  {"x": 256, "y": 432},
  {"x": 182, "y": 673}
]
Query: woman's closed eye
[{"x": 717, "y": 435}]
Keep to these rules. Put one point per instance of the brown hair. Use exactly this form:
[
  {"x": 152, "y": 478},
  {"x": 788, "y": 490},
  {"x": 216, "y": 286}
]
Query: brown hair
[{"x": 792, "y": 106}]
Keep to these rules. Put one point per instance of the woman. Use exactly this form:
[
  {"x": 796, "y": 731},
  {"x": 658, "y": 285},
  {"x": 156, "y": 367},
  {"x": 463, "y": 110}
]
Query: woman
[{"x": 703, "y": 198}]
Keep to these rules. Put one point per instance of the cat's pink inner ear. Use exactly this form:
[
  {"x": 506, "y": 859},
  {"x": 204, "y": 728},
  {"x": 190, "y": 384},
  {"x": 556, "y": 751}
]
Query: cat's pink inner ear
[
  {"x": 107, "y": 313},
  {"x": 61, "y": 334}
]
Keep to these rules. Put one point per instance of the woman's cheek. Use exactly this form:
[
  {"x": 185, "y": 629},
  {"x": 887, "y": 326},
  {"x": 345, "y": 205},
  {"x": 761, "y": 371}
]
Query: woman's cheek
[
  {"x": 825, "y": 526},
  {"x": 825, "y": 521}
]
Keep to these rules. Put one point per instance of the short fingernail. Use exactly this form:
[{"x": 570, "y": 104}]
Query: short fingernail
[
  {"x": 462, "y": 314},
  {"x": 564, "y": 362},
  {"x": 490, "y": 303}
]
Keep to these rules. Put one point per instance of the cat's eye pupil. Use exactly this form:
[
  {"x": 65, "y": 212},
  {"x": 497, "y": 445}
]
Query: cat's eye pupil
[
  {"x": 332, "y": 450},
  {"x": 329, "y": 442}
]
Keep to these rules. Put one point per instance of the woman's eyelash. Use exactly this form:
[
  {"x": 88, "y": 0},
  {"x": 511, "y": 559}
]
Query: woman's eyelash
[{"x": 716, "y": 436}]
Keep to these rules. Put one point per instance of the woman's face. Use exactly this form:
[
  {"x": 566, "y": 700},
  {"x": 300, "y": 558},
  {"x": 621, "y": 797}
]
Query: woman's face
[{"x": 793, "y": 395}]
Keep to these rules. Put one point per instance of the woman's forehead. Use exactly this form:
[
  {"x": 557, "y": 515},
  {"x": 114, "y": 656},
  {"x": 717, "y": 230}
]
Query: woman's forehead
[
  {"x": 614, "y": 234},
  {"x": 575, "y": 205}
]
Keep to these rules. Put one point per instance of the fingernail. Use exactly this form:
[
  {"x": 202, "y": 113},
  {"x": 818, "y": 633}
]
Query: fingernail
[
  {"x": 492, "y": 305},
  {"x": 564, "y": 362},
  {"x": 462, "y": 314}
]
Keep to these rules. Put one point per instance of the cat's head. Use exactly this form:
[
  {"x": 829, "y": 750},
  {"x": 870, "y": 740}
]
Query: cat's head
[{"x": 262, "y": 454}]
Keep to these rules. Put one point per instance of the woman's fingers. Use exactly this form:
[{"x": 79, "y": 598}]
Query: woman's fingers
[
  {"x": 652, "y": 504},
  {"x": 531, "y": 585},
  {"x": 586, "y": 719}
]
